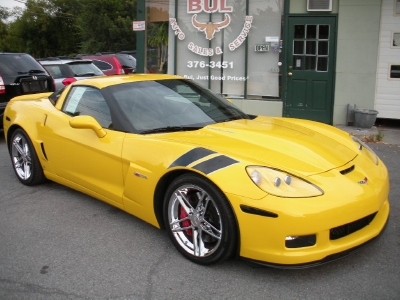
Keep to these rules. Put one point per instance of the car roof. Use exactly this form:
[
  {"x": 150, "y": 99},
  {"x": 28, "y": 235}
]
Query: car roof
[
  {"x": 102, "y": 82},
  {"x": 13, "y": 53},
  {"x": 64, "y": 61}
]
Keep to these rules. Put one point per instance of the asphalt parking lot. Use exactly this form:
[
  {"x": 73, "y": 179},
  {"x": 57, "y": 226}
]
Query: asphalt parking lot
[{"x": 56, "y": 243}]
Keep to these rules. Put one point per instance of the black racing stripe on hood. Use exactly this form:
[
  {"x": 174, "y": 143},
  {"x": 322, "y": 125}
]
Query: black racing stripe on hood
[
  {"x": 191, "y": 156},
  {"x": 214, "y": 164}
]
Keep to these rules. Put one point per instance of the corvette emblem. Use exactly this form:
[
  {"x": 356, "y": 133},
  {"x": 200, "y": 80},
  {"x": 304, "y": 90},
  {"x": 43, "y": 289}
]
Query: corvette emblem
[
  {"x": 137, "y": 174},
  {"x": 364, "y": 181},
  {"x": 34, "y": 77}
]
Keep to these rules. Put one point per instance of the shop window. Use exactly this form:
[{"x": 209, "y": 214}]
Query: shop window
[
  {"x": 396, "y": 40},
  {"x": 394, "y": 71},
  {"x": 233, "y": 47}
]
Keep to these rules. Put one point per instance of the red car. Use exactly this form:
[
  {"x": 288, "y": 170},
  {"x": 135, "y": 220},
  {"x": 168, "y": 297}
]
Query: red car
[{"x": 112, "y": 64}]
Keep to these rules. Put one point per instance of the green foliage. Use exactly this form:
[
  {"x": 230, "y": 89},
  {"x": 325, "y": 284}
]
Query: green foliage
[
  {"x": 106, "y": 25},
  {"x": 158, "y": 37},
  {"x": 67, "y": 27}
]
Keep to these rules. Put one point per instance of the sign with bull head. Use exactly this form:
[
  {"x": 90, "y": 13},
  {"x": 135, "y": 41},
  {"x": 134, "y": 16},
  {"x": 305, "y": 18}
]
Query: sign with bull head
[{"x": 210, "y": 28}]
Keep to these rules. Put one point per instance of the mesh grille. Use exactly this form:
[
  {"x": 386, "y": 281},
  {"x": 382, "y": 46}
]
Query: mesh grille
[{"x": 346, "y": 229}]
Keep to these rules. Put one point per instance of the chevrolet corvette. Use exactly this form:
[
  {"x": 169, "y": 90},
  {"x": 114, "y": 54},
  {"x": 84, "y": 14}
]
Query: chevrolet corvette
[{"x": 282, "y": 192}]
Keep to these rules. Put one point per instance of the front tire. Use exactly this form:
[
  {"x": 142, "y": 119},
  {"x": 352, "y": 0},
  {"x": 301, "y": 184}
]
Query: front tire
[
  {"x": 199, "y": 220},
  {"x": 24, "y": 159}
]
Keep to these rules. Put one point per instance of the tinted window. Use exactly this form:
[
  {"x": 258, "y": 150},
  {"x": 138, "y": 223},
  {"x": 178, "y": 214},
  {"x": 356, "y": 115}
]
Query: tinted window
[
  {"x": 102, "y": 65},
  {"x": 59, "y": 71},
  {"x": 83, "y": 100},
  {"x": 127, "y": 61},
  {"x": 19, "y": 64},
  {"x": 84, "y": 69}
]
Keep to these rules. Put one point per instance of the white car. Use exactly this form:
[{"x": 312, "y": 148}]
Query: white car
[{"x": 66, "y": 71}]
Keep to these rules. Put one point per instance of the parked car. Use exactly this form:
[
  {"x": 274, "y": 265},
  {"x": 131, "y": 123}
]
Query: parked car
[
  {"x": 113, "y": 64},
  {"x": 21, "y": 74},
  {"x": 283, "y": 192},
  {"x": 66, "y": 70}
]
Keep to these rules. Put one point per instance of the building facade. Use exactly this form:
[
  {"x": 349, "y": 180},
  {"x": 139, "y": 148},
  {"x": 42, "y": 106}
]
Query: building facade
[{"x": 295, "y": 58}]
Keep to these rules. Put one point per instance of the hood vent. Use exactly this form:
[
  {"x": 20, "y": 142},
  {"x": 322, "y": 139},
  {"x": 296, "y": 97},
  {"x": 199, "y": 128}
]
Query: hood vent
[
  {"x": 319, "y": 5},
  {"x": 347, "y": 171}
]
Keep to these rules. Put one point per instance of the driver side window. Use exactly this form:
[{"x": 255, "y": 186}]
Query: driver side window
[{"x": 84, "y": 100}]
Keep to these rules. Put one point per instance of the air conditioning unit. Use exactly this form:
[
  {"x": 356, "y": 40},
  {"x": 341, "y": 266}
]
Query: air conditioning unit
[{"x": 319, "y": 5}]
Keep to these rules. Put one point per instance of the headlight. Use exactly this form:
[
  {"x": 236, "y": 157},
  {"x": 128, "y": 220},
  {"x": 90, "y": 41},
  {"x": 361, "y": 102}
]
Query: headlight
[
  {"x": 366, "y": 150},
  {"x": 282, "y": 184}
]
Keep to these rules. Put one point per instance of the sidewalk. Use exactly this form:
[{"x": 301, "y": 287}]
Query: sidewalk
[{"x": 391, "y": 135}]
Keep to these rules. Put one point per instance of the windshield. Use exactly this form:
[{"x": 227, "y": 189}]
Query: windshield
[
  {"x": 19, "y": 64},
  {"x": 171, "y": 105}
]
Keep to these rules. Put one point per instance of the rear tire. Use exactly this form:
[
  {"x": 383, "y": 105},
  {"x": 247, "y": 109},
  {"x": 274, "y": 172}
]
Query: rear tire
[
  {"x": 199, "y": 220},
  {"x": 24, "y": 159}
]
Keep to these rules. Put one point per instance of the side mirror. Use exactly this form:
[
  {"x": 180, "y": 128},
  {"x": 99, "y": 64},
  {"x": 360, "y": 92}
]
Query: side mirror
[{"x": 87, "y": 122}]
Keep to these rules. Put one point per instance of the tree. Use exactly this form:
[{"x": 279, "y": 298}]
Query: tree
[
  {"x": 158, "y": 37},
  {"x": 44, "y": 28},
  {"x": 106, "y": 25},
  {"x": 68, "y": 27},
  {"x": 4, "y": 14}
]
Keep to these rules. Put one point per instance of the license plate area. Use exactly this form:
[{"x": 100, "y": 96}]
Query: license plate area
[{"x": 34, "y": 86}]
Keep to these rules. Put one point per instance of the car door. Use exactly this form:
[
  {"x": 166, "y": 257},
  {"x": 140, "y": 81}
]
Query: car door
[{"x": 79, "y": 155}]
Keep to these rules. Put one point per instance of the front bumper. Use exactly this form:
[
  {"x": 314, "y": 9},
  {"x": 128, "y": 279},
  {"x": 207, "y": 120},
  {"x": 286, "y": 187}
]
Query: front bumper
[{"x": 345, "y": 201}]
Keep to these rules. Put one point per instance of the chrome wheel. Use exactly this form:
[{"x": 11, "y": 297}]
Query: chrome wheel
[
  {"x": 199, "y": 220},
  {"x": 24, "y": 159},
  {"x": 21, "y": 157},
  {"x": 195, "y": 220}
]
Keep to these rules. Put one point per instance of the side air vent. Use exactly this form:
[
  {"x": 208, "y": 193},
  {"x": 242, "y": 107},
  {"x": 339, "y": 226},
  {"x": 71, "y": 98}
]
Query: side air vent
[
  {"x": 319, "y": 5},
  {"x": 348, "y": 170}
]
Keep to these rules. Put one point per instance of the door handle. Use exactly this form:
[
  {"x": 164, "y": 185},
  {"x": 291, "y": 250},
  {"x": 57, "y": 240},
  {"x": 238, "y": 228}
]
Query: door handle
[{"x": 290, "y": 74}]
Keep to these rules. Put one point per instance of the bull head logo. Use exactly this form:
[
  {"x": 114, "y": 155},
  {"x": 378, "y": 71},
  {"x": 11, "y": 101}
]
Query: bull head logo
[{"x": 210, "y": 28}]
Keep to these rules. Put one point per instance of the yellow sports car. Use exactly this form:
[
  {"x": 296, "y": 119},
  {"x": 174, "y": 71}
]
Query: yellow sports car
[{"x": 277, "y": 191}]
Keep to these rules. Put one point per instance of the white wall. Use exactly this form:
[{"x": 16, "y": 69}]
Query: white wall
[
  {"x": 357, "y": 55},
  {"x": 387, "y": 101}
]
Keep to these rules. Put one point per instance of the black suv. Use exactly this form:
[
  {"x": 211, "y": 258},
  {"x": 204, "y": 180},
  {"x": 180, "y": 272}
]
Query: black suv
[{"x": 21, "y": 74}]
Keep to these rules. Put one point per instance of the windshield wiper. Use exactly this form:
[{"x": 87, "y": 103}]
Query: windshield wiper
[{"x": 171, "y": 129}]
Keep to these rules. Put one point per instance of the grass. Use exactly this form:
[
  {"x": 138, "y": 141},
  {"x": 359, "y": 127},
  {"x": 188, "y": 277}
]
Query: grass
[{"x": 374, "y": 138}]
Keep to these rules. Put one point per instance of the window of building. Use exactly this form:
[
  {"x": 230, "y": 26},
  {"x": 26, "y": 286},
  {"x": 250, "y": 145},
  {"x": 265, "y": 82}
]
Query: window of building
[
  {"x": 394, "y": 71},
  {"x": 396, "y": 40},
  {"x": 397, "y": 7},
  {"x": 232, "y": 47}
]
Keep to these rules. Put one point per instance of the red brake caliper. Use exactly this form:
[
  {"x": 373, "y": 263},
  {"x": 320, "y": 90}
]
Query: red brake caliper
[{"x": 183, "y": 214}]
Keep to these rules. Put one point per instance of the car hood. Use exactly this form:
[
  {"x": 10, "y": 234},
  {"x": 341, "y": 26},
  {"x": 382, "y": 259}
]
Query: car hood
[{"x": 296, "y": 146}]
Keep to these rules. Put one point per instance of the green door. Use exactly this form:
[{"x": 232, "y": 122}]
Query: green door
[{"x": 310, "y": 68}]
